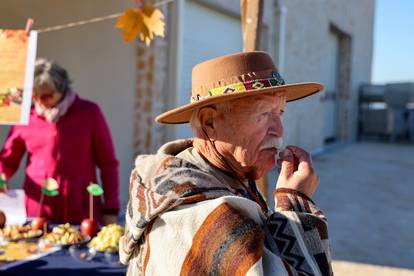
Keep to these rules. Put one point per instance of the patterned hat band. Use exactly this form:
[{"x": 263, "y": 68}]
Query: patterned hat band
[{"x": 247, "y": 86}]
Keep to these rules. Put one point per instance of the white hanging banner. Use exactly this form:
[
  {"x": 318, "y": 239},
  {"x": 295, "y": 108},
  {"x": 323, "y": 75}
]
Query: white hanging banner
[{"x": 17, "y": 60}]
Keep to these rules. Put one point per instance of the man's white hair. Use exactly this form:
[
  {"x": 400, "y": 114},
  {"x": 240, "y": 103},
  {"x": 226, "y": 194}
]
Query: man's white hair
[{"x": 195, "y": 123}]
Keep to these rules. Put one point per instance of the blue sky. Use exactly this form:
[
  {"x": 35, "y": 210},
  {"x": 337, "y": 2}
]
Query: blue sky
[{"x": 393, "y": 41}]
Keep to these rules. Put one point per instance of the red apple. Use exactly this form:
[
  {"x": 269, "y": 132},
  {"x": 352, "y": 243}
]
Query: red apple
[
  {"x": 2, "y": 219},
  {"x": 39, "y": 223},
  {"x": 89, "y": 227}
]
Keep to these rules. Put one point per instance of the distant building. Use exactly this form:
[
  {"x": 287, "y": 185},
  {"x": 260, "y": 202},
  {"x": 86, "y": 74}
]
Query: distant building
[
  {"x": 329, "y": 41},
  {"x": 387, "y": 111}
]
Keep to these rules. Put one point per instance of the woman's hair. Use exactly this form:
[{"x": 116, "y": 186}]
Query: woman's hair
[{"x": 49, "y": 73}]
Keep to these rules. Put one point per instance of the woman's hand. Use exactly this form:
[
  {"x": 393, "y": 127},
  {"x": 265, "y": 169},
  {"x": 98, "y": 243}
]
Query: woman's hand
[{"x": 296, "y": 171}]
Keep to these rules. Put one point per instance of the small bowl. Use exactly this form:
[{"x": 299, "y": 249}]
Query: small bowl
[
  {"x": 82, "y": 253},
  {"x": 112, "y": 258},
  {"x": 84, "y": 242},
  {"x": 31, "y": 238}
]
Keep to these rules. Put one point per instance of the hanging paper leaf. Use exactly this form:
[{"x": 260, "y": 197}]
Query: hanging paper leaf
[
  {"x": 47, "y": 192},
  {"x": 50, "y": 184},
  {"x": 133, "y": 23},
  {"x": 50, "y": 187},
  {"x": 146, "y": 22},
  {"x": 95, "y": 189},
  {"x": 153, "y": 20},
  {"x": 3, "y": 182}
]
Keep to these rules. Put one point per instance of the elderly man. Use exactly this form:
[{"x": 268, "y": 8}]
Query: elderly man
[{"x": 194, "y": 208}]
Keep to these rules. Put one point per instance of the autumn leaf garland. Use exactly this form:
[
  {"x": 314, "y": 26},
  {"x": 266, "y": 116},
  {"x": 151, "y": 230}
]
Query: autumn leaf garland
[{"x": 147, "y": 22}]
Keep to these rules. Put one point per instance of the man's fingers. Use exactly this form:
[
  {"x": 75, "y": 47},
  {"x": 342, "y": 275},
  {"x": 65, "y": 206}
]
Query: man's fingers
[
  {"x": 296, "y": 171},
  {"x": 286, "y": 169}
]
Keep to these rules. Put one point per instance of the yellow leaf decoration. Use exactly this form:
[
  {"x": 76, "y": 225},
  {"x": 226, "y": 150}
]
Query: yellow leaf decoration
[
  {"x": 153, "y": 19},
  {"x": 147, "y": 22}
]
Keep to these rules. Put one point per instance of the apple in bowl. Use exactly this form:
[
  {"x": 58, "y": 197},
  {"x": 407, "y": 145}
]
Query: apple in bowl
[
  {"x": 2, "y": 219},
  {"x": 89, "y": 227}
]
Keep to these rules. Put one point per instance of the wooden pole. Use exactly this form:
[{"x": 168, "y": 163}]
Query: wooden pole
[
  {"x": 251, "y": 16},
  {"x": 42, "y": 196},
  {"x": 90, "y": 206}
]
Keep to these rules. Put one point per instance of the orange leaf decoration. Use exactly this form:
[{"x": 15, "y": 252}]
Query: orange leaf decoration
[
  {"x": 133, "y": 23},
  {"x": 147, "y": 22}
]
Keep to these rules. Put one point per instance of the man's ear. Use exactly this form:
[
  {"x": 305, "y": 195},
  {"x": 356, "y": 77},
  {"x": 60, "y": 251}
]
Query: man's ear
[{"x": 207, "y": 115}]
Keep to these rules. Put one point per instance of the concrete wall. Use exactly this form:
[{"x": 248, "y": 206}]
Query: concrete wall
[
  {"x": 195, "y": 24},
  {"x": 101, "y": 65},
  {"x": 307, "y": 30},
  {"x": 302, "y": 54}
]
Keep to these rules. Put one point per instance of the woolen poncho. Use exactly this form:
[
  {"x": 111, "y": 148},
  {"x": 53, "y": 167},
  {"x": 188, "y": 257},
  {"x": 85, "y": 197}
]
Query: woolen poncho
[{"x": 186, "y": 217}]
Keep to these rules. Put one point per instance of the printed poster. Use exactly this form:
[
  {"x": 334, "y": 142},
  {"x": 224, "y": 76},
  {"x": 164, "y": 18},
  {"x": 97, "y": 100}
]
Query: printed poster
[{"x": 17, "y": 60}]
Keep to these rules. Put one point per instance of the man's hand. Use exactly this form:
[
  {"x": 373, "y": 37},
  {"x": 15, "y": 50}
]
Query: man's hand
[
  {"x": 296, "y": 171},
  {"x": 108, "y": 219}
]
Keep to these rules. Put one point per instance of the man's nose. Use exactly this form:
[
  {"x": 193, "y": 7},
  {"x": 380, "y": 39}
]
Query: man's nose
[{"x": 276, "y": 127}]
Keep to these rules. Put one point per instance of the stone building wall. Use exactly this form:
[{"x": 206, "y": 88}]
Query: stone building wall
[{"x": 308, "y": 24}]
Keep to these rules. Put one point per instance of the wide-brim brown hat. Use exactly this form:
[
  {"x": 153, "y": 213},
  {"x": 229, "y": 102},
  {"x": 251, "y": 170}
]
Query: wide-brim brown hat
[{"x": 232, "y": 77}]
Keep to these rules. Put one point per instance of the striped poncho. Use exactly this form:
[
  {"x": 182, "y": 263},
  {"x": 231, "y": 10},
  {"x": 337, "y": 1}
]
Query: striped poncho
[{"x": 186, "y": 217}]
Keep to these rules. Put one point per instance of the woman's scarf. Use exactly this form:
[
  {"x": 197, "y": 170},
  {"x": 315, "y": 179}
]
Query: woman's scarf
[{"x": 53, "y": 114}]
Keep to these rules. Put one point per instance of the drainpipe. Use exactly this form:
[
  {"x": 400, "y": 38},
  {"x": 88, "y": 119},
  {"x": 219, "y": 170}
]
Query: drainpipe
[
  {"x": 176, "y": 23},
  {"x": 280, "y": 23}
]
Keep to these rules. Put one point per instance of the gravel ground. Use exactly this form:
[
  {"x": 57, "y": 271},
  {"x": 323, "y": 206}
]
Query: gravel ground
[{"x": 367, "y": 192}]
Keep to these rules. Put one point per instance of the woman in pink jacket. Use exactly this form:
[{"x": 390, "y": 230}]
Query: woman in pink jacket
[{"x": 66, "y": 139}]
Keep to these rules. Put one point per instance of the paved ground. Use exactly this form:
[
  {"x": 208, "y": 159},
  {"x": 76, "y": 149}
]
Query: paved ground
[
  {"x": 367, "y": 192},
  {"x": 344, "y": 268}
]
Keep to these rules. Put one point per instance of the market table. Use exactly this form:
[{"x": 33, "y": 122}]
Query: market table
[
  {"x": 57, "y": 261},
  {"x": 61, "y": 263}
]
